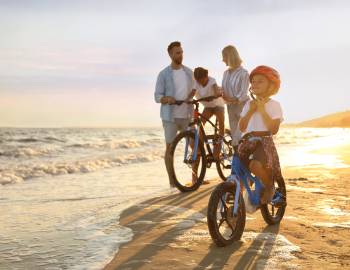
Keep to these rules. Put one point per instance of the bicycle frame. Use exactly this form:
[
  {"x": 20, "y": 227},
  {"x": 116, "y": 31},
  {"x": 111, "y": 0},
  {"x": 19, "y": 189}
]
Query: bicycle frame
[
  {"x": 240, "y": 174},
  {"x": 198, "y": 127}
]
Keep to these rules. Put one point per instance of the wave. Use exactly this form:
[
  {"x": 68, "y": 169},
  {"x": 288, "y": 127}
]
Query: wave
[
  {"x": 128, "y": 144},
  {"x": 26, "y": 140},
  {"x": 48, "y": 139},
  {"x": 25, "y": 152},
  {"x": 20, "y": 173},
  {"x": 53, "y": 139}
]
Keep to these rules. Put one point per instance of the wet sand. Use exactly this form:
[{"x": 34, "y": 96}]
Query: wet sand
[{"x": 171, "y": 232}]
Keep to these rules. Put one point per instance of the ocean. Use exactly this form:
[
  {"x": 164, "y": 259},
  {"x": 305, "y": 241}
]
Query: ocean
[{"x": 62, "y": 190}]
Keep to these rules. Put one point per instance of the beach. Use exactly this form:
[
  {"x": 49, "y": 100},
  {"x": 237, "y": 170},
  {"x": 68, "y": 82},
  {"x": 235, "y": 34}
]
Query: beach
[
  {"x": 99, "y": 198},
  {"x": 170, "y": 232}
]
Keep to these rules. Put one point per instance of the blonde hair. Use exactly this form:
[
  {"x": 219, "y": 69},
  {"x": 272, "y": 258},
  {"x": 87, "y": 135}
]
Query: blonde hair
[{"x": 233, "y": 58}]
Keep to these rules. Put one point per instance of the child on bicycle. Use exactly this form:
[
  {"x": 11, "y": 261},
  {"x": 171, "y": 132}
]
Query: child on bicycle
[
  {"x": 261, "y": 118},
  {"x": 205, "y": 86}
]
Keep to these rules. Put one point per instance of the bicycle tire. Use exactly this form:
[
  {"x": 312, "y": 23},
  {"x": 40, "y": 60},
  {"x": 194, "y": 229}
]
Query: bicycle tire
[
  {"x": 219, "y": 163},
  {"x": 269, "y": 217},
  {"x": 213, "y": 226},
  {"x": 178, "y": 184}
]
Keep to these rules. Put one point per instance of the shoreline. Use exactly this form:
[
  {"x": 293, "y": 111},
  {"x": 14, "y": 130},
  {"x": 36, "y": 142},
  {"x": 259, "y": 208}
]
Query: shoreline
[{"x": 171, "y": 230}]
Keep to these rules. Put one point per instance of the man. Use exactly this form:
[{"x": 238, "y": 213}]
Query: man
[{"x": 174, "y": 83}]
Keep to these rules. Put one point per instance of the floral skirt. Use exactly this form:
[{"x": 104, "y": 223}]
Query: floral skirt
[{"x": 264, "y": 151}]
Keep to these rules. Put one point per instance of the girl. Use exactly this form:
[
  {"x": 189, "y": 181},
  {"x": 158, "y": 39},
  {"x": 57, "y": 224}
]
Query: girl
[{"x": 261, "y": 118}]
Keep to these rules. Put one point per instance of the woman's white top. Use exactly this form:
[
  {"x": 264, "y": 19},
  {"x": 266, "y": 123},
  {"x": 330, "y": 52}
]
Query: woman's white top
[{"x": 235, "y": 83}]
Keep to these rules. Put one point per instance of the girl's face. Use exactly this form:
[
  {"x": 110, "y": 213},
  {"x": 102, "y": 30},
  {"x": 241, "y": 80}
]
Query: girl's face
[{"x": 261, "y": 86}]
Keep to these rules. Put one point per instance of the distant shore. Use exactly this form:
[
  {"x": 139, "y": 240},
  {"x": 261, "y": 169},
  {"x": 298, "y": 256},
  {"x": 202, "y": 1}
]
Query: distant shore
[{"x": 335, "y": 120}]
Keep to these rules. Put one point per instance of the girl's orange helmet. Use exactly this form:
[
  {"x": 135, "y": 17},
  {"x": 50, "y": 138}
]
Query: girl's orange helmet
[{"x": 270, "y": 73}]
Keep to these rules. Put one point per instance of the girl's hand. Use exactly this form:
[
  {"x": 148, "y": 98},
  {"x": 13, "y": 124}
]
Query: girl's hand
[
  {"x": 261, "y": 104},
  {"x": 253, "y": 106}
]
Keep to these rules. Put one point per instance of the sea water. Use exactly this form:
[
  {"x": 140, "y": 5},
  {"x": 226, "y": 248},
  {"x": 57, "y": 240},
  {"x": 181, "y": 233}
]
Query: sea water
[{"x": 62, "y": 190}]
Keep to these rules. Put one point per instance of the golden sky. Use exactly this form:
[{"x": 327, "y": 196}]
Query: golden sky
[{"x": 94, "y": 63}]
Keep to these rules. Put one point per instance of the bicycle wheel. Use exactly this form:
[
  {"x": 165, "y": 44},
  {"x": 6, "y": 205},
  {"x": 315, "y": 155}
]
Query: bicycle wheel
[
  {"x": 223, "y": 165},
  {"x": 188, "y": 174},
  {"x": 271, "y": 214},
  {"x": 224, "y": 227}
]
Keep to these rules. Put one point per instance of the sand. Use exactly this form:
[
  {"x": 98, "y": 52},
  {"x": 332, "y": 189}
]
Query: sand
[{"x": 171, "y": 232}]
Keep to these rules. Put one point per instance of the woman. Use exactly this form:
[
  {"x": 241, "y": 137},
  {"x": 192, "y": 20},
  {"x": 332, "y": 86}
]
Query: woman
[{"x": 235, "y": 85}]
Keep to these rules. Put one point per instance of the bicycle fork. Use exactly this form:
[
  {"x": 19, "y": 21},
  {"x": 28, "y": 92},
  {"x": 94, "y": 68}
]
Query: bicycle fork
[{"x": 195, "y": 146}]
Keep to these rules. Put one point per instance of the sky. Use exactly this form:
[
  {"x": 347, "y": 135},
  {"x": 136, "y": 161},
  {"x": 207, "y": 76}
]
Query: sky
[{"x": 94, "y": 63}]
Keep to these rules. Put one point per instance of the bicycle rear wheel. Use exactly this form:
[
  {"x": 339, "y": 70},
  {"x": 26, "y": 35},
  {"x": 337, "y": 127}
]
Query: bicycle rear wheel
[
  {"x": 224, "y": 227},
  {"x": 188, "y": 174},
  {"x": 223, "y": 165},
  {"x": 271, "y": 214}
]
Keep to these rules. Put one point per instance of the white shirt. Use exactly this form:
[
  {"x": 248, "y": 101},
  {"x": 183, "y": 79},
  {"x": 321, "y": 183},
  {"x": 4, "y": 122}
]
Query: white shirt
[
  {"x": 181, "y": 93},
  {"x": 256, "y": 123},
  {"x": 236, "y": 83},
  {"x": 207, "y": 91}
]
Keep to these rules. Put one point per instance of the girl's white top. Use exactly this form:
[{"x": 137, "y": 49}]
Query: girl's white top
[
  {"x": 207, "y": 91},
  {"x": 256, "y": 123}
]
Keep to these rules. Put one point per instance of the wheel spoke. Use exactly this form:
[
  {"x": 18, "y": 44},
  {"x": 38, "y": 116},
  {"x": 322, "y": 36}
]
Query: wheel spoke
[
  {"x": 221, "y": 222},
  {"x": 228, "y": 223},
  {"x": 224, "y": 204}
]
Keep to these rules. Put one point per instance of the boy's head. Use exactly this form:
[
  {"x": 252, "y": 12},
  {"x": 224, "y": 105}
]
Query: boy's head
[
  {"x": 201, "y": 75},
  {"x": 175, "y": 52},
  {"x": 265, "y": 81}
]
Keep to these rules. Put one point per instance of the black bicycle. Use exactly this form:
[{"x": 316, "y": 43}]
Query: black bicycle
[{"x": 192, "y": 151}]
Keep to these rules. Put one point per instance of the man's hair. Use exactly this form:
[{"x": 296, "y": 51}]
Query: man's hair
[
  {"x": 200, "y": 73},
  {"x": 174, "y": 44}
]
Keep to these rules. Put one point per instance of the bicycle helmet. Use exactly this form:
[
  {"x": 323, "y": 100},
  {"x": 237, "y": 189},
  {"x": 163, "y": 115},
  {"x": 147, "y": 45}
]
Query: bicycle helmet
[{"x": 271, "y": 74}]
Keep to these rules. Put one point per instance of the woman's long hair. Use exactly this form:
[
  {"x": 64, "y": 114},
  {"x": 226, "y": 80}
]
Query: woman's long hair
[{"x": 233, "y": 58}]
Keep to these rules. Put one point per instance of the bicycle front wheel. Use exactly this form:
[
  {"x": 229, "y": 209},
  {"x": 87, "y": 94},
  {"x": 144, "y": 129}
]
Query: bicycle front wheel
[
  {"x": 223, "y": 165},
  {"x": 225, "y": 227},
  {"x": 187, "y": 162}
]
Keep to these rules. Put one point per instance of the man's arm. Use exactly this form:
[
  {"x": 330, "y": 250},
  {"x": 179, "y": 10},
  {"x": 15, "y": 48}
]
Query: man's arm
[
  {"x": 159, "y": 94},
  {"x": 160, "y": 89}
]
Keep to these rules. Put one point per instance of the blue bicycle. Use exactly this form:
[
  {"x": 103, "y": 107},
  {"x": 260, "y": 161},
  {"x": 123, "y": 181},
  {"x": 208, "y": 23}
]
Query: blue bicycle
[{"x": 226, "y": 214}]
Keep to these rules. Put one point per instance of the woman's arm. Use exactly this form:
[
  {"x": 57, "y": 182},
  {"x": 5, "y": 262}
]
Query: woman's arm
[
  {"x": 217, "y": 91},
  {"x": 230, "y": 100},
  {"x": 243, "y": 86}
]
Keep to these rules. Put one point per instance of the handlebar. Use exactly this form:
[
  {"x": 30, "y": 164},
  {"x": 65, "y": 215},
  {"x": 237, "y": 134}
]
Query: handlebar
[{"x": 196, "y": 101}]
